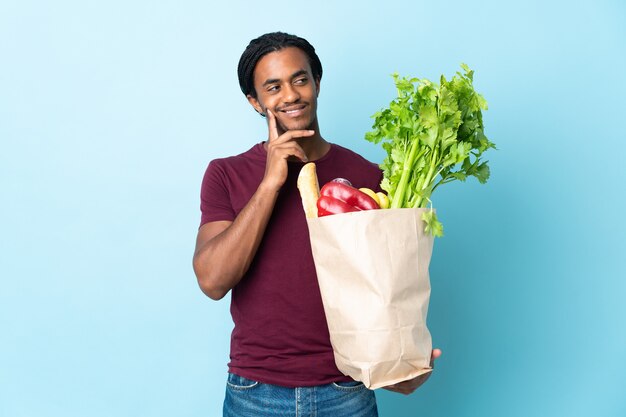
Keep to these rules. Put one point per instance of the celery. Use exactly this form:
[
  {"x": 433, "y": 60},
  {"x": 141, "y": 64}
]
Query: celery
[{"x": 433, "y": 134}]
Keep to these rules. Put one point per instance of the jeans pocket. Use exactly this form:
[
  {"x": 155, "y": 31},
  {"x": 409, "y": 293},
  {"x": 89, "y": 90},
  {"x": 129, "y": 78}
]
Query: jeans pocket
[
  {"x": 240, "y": 383},
  {"x": 348, "y": 386}
]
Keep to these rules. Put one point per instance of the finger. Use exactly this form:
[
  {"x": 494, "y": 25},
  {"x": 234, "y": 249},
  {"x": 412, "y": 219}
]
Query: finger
[
  {"x": 285, "y": 150},
  {"x": 293, "y": 134},
  {"x": 290, "y": 149},
  {"x": 435, "y": 354},
  {"x": 273, "y": 130}
]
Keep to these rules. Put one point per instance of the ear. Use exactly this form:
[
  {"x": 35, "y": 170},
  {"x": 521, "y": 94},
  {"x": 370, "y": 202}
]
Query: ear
[
  {"x": 317, "y": 85},
  {"x": 255, "y": 103}
]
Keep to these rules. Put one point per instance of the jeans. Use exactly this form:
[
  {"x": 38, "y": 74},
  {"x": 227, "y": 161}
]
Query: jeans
[{"x": 247, "y": 398}]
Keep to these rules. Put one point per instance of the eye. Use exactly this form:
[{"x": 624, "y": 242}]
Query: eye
[
  {"x": 302, "y": 80},
  {"x": 272, "y": 88}
]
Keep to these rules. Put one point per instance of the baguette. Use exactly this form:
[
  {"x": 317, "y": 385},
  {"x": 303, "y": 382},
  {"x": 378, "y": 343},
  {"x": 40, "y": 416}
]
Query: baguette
[{"x": 309, "y": 189}]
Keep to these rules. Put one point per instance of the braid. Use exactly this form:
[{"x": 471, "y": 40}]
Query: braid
[{"x": 265, "y": 44}]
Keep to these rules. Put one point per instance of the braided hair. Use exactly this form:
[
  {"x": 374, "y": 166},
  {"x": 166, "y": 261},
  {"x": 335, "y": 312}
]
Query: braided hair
[{"x": 271, "y": 42}]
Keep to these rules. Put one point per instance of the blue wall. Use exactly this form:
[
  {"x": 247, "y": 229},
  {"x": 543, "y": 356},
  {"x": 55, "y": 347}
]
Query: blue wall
[{"x": 110, "y": 112}]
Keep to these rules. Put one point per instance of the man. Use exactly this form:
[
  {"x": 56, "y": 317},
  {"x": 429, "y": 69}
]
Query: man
[{"x": 253, "y": 240}]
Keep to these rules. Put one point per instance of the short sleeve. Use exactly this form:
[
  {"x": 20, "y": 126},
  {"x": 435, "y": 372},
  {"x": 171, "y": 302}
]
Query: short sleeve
[
  {"x": 215, "y": 203},
  {"x": 378, "y": 180}
]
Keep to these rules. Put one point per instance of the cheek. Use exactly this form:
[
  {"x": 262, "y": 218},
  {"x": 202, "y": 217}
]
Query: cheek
[{"x": 267, "y": 104}]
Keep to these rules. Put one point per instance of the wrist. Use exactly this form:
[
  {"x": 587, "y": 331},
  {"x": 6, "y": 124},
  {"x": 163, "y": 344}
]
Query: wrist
[{"x": 269, "y": 187}]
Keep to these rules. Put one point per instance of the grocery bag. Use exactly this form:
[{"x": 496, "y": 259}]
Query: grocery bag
[{"x": 372, "y": 268}]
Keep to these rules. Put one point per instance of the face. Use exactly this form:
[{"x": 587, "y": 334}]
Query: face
[{"x": 285, "y": 85}]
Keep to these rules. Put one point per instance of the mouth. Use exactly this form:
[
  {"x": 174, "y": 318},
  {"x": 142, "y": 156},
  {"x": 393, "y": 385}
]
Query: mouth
[{"x": 294, "y": 111}]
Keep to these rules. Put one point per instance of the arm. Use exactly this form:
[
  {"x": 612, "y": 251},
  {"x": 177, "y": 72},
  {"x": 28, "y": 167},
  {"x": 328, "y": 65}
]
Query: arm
[{"x": 225, "y": 250}]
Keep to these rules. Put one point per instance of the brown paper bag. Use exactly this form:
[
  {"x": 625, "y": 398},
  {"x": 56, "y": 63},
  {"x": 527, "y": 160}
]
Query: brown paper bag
[{"x": 372, "y": 268}]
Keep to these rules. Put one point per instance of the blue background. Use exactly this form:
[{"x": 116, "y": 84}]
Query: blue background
[{"x": 110, "y": 112}]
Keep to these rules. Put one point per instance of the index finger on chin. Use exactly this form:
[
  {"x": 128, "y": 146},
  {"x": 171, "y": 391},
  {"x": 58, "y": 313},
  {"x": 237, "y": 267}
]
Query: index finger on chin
[{"x": 273, "y": 130}]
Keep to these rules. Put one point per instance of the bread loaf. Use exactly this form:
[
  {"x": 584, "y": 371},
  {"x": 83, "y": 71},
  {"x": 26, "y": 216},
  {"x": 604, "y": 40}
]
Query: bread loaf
[{"x": 309, "y": 189}]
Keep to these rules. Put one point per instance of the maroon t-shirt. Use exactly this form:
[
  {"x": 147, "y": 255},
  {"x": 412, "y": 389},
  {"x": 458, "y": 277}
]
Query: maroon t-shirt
[{"x": 280, "y": 335}]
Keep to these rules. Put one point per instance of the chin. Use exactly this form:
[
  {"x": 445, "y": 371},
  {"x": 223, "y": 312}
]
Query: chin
[{"x": 298, "y": 125}]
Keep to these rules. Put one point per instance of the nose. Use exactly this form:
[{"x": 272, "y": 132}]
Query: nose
[{"x": 291, "y": 94}]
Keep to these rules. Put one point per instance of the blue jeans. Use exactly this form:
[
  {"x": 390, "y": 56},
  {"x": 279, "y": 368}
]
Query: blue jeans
[{"x": 247, "y": 398}]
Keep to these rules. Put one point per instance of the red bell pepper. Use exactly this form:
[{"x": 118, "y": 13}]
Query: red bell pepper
[{"x": 336, "y": 198}]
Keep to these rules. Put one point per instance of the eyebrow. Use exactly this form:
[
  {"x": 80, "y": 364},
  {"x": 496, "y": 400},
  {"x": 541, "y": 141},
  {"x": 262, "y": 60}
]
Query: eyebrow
[{"x": 276, "y": 80}]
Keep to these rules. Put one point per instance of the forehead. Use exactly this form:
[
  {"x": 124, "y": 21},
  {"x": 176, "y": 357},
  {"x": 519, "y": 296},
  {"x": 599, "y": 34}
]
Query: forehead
[{"x": 281, "y": 64}]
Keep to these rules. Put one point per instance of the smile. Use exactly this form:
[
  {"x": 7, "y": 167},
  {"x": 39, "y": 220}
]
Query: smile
[{"x": 294, "y": 111}]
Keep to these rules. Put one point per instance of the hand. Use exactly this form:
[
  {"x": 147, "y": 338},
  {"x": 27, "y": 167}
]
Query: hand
[
  {"x": 279, "y": 149},
  {"x": 407, "y": 387}
]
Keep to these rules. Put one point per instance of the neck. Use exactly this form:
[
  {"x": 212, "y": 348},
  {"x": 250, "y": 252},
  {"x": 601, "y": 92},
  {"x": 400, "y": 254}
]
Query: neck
[{"x": 314, "y": 146}]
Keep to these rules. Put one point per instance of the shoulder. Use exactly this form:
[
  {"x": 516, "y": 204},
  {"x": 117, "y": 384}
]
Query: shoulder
[
  {"x": 236, "y": 162},
  {"x": 249, "y": 155},
  {"x": 349, "y": 156},
  {"x": 342, "y": 162}
]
